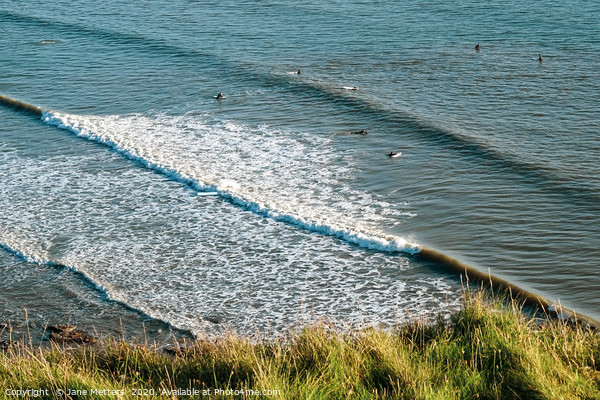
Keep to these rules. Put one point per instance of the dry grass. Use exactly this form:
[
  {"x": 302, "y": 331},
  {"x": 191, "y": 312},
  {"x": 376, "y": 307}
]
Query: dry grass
[{"x": 489, "y": 350}]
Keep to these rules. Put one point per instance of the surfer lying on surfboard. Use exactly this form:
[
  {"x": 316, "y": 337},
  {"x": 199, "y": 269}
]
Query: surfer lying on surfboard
[
  {"x": 393, "y": 154},
  {"x": 363, "y": 132}
]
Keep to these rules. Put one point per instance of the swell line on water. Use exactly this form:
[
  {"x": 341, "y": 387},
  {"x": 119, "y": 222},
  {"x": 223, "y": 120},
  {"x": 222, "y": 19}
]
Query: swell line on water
[
  {"x": 531, "y": 173},
  {"x": 20, "y": 106},
  {"x": 388, "y": 244},
  {"x": 127, "y": 39}
]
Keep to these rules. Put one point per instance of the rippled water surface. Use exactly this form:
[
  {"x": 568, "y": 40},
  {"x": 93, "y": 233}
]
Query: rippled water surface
[{"x": 261, "y": 210}]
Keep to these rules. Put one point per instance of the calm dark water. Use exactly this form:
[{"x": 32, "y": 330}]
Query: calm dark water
[{"x": 104, "y": 199}]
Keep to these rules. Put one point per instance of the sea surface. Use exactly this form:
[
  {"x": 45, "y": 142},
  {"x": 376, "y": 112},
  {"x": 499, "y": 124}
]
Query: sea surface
[{"x": 139, "y": 199}]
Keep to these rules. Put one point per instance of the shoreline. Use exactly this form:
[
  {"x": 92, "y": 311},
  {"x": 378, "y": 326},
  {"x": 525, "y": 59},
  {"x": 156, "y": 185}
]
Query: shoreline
[
  {"x": 91, "y": 312},
  {"x": 443, "y": 261},
  {"x": 489, "y": 348}
]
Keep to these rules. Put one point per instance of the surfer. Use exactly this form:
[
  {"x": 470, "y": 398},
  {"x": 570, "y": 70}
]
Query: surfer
[
  {"x": 299, "y": 72},
  {"x": 540, "y": 59},
  {"x": 477, "y": 46},
  {"x": 363, "y": 132},
  {"x": 354, "y": 88},
  {"x": 392, "y": 153},
  {"x": 220, "y": 96}
]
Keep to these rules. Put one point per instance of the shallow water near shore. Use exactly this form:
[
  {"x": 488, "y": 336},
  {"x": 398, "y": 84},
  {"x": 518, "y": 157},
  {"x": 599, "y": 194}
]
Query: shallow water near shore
[{"x": 500, "y": 164}]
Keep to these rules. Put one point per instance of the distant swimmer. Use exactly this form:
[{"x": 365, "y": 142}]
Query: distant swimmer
[
  {"x": 477, "y": 46},
  {"x": 363, "y": 132},
  {"x": 220, "y": 96},
  {"x": 540, "y": 59}
]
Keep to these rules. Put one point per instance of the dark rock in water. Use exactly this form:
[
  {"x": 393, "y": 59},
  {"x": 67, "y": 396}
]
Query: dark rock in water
[
  {"x": 69, "y": 334},
  {"x": 215, "y": 319},
  {"x": 178, "y": 349},
  {"x": 173, "y": 350},
  {"x": 61, "y": 328},
  {"x": 4, "y": 345}
]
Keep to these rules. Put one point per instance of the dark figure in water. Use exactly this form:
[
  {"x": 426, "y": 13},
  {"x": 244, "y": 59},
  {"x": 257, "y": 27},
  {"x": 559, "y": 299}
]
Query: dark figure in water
[
  {"x": 220, "y": 96},
  {"x": 363, "y": 132},
  {"x": 477, "y": 46},
  {"x": 392, "y": 153},
  {"x": 540, "y": 59},
  {"x": 299, "y": 72}
]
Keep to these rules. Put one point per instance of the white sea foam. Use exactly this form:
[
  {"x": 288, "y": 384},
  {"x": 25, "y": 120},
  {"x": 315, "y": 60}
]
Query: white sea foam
[
  {"x": 289, "y": 178},
  {"x": 153, "y": 244}
]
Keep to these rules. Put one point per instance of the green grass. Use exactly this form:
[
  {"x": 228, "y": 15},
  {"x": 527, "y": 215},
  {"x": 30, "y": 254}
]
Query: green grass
[{"x": 489, "y": 350}]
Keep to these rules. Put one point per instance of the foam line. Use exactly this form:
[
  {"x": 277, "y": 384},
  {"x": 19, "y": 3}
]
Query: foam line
[
  {"x": 38, "y": 261},
  {"x": 389, "y": 244},
  {"x": 82, "y": 276}
]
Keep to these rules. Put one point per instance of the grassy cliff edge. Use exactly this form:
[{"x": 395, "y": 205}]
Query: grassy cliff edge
[{"x": 488, "y": 350}]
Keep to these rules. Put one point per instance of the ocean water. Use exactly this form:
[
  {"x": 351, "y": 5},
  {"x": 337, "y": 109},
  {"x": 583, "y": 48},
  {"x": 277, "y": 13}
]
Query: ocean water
[{"x": 138, "y": 196}]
